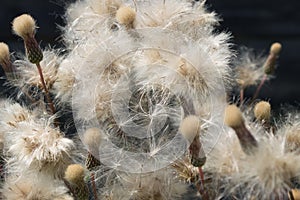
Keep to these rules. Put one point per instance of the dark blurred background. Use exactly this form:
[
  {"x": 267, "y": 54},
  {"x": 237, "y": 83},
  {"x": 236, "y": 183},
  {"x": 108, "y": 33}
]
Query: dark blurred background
[{"x": 253, "y": 23}]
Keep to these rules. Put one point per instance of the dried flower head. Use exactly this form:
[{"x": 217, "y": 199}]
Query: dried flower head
[
  {"x": 24, "y": 26},
  {"x": 272, "y": 169}
]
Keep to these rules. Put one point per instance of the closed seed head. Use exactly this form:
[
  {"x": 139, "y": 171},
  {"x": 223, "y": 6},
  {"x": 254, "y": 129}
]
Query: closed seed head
[
  {"x": 233, "y": 117},
  {"x": 92, "y": 138},
  {"x": 4, "y": 53},
  {"x": 262, "y": 110},
  {"x": 190, "y": 127},
  {"x": 275, "y": 48},
  {"x": 75, "y": 174},
  {"x": 125, "y": 15},
  {"x": 24, "y": 26}
]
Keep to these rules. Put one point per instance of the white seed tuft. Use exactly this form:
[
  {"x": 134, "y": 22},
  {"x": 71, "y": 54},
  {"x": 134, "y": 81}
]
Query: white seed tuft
[
  {"x": 125, "y": 15},
  {"x": 190, "y": 127},
  {"x": 4, "y": 52},
  {"x": 24, "y": 26},
  {"x": 233, "y": 117},
  {"x": 92, "y": 138},
  {"x": 74, "y": 173}
]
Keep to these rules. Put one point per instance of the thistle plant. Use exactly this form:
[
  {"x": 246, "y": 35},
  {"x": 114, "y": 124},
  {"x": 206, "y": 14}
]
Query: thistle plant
[{"x": 137, "y": 106}]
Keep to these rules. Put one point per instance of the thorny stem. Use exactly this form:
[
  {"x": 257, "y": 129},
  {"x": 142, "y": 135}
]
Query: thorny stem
[
  {"x": 49, "y": 101},
  {"x": 263, "y": 80}
]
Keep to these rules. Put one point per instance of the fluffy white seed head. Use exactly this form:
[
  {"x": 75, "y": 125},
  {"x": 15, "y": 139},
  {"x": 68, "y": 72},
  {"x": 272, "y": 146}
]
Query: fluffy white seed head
[
  {"x": 75, "y": 173},
  {"x": 92, "y": 138},
  {"x": 105, "y": 6},
  {"x": 36, "y": 146},
  {"x": 24, "y": 26},
  {"x": 11, "y": 114},
  {"x": 158, "y": 185},
  {"x": 233, "y": 117},
  {"x": 262, "y": 110},
  {"x": 291, "y": 131},
  {"x": 4, "y": 53},
  {"x": 125, "y": 15},
  {"x": 34, "y": 186},
  {"x": 275, "y": 48},
  {"x": 190, "y": 127}
]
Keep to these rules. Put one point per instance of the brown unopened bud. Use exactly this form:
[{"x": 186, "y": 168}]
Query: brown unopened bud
[{"x": 235, "y": 120}]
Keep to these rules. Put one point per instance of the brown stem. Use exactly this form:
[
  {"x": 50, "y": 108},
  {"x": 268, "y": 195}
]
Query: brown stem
[
  {"x": 263, "y": 80},
  {"x": 69, "y": 187},
  {"x": 242, "y": 95},
  {"x": 49, "y": 101},
  {"x": 246, "y": 139},
  {"x": 201, "y": 189},
  {"x": 94, "y": 186}
]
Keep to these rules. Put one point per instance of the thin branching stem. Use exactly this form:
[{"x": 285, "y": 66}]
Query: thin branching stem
[
  {"x": 94, "y": 186},
  {"x": 47, "y": 95},
  {"x": 242, "y": 95},
  {"x": 263, "y": 80}
]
